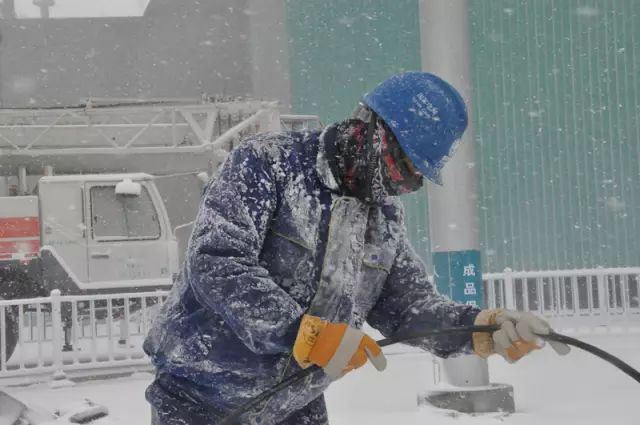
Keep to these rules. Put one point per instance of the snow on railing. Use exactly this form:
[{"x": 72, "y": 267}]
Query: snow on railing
[
  {"x": 65, "y": 334},
  {"x": 569, "y": 298},
  {"x": 84, "y": 334}
]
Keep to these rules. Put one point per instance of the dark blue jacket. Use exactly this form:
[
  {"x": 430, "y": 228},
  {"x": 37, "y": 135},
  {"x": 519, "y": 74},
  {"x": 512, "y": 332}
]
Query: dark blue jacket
[{"x": 252, "y": 269}]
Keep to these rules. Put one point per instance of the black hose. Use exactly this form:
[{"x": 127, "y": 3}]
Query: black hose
[
  {"x": 396, "y": 339},
  {"x": 610, "y": 358},
  {"x": 298, "y": 376}
]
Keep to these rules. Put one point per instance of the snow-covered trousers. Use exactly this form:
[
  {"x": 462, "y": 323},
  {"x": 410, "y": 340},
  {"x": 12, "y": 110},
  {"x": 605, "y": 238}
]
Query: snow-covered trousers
[{"x": 173, "y": 406}]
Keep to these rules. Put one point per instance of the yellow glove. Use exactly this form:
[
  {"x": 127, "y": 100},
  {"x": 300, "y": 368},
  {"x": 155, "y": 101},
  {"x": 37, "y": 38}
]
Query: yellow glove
[
  {"x": 516, "y": 337},
  {"x": 335, "y": 347}
]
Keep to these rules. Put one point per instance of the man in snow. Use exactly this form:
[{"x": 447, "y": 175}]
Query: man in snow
[{"x": 298, "y": 242}]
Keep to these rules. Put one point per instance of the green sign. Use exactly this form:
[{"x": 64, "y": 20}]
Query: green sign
[{"x": 458, "y": 275}]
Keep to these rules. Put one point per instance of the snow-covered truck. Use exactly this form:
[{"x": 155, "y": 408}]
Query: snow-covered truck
[{"x": 93, "y": 198}]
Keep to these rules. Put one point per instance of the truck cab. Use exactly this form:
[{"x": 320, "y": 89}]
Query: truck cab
[{"x": 105, "y": 233}]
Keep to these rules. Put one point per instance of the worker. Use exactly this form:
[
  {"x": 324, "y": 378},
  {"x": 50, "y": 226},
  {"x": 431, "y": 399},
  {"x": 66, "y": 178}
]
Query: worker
[{"x": 298, "y": 242}]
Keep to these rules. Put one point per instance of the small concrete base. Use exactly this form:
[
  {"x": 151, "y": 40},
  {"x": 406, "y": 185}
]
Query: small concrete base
[{"x": 493, "y": 398}]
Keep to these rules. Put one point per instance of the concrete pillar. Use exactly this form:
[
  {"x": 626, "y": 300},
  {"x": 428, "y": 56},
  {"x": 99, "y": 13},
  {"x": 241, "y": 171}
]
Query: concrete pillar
[{"x": 453, "y": 211}]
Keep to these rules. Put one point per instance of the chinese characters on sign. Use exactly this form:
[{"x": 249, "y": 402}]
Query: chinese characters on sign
[
  {"x": 470, "y": 287},
  {"x": 469, "y": 270},
  {"x": 458, "y": 275}
]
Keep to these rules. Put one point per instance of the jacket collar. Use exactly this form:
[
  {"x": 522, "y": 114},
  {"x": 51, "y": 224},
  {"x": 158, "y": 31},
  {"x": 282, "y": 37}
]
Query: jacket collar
[{"x": 322, "y": 164}]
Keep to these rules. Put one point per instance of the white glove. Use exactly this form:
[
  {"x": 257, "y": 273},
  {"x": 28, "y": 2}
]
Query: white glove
[{"x": 517, "y": 336}]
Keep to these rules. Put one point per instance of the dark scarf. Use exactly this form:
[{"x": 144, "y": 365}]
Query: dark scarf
[{"x": 368, "y": 168}]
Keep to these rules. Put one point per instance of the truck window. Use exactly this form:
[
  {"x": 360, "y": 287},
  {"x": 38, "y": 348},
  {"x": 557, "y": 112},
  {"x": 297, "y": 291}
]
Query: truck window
[{"x": 119, "y": 217}]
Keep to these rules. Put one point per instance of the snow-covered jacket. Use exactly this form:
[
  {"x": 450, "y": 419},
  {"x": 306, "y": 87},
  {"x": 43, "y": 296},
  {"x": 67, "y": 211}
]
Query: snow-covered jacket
[{"x": 252, "y": 268}]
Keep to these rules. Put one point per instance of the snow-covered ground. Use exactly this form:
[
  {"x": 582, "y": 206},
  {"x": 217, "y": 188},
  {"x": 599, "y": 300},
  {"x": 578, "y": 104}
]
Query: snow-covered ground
[
  {"x": 579, "y": 389},
  {"x": 575, "y": 390}
]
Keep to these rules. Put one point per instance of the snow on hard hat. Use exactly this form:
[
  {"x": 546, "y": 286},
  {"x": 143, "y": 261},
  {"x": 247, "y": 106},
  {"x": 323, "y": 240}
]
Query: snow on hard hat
[{"x": 426, "y": 114}]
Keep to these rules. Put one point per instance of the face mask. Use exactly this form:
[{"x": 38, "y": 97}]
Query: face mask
[
  {"x": 399, "y": 176},
  {"x": 348, "y": 159},
  {"x": 368, "y": 162}
]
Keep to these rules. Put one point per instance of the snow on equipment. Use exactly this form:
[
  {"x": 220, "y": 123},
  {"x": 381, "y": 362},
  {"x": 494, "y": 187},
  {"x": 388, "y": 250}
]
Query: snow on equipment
[
  {"x": 10, "y": 409},
  {"x": 14, "y": 412},
  {"x": 234, "y": 416},
  {"x": 128, "y": 188},
  {"x": 82, "y": 413},
  {"x": 88, "y": 194}
]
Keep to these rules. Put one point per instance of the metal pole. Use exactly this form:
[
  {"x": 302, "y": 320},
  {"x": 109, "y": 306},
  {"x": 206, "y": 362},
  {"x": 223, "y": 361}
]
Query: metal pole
[
  {"x": 453, "y": 211},
  {"x": 23, "y": 187}
]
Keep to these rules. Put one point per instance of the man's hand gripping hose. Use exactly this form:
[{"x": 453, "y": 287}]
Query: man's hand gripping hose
[{"x": 232, "y": 418}]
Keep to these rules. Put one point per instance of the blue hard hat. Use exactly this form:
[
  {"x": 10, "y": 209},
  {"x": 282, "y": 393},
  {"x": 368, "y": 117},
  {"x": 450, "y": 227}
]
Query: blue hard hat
[{"x": 426, "y": 114}]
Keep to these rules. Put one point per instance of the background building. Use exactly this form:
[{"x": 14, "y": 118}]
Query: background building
[
  {"x": 556, "y": 102},
  {"x": 556, "y": 112}
]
